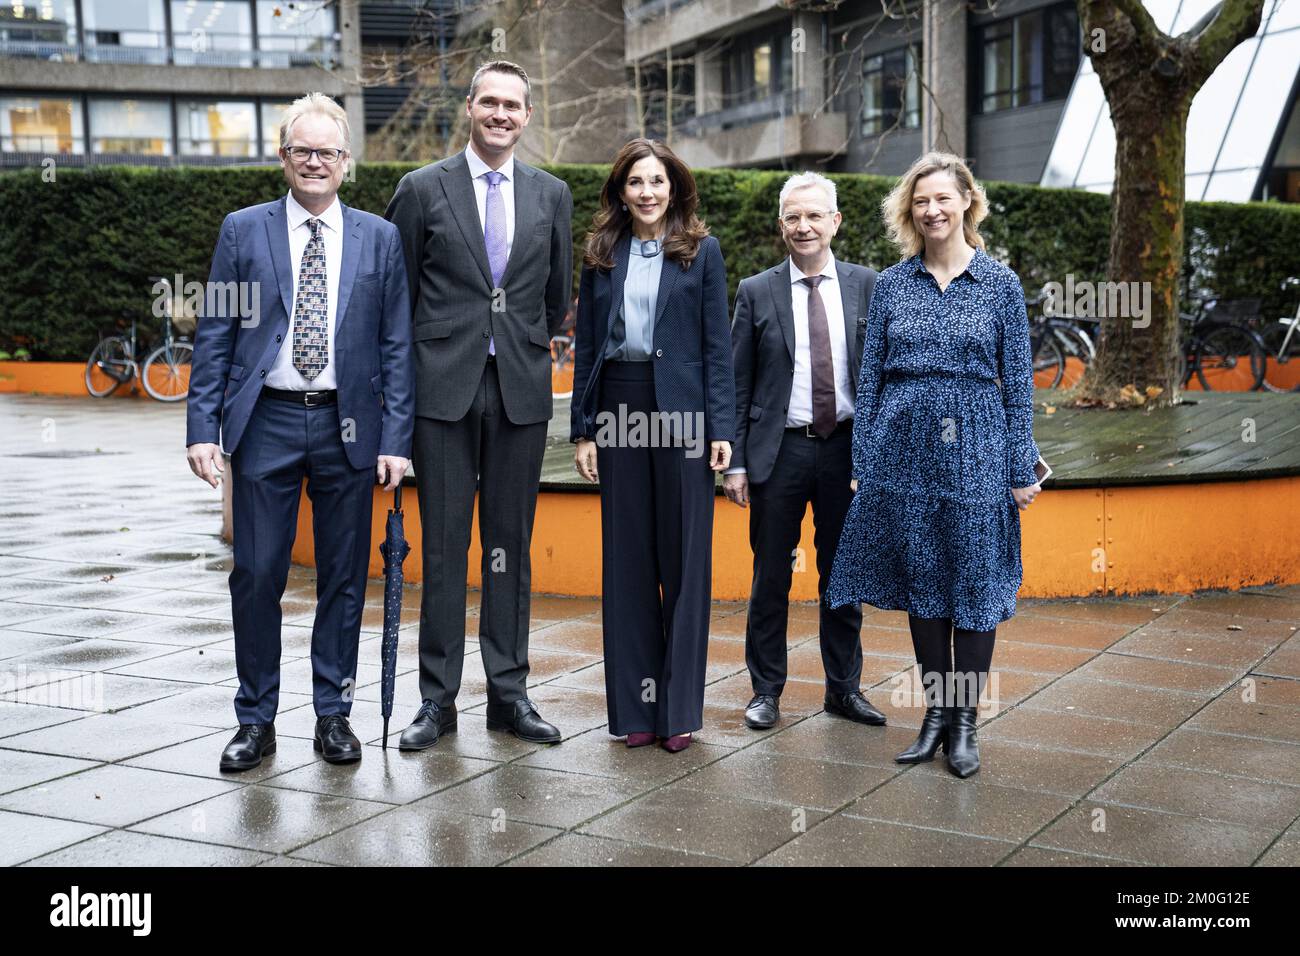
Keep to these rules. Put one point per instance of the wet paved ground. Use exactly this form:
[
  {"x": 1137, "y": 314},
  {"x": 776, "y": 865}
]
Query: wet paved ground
[{"x": 1157, "y": 730}]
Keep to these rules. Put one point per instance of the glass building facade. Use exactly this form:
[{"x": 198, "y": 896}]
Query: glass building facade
[{"x": 1243, "y": 136}]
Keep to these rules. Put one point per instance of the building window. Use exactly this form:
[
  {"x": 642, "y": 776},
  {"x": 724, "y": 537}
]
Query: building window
[
  {"x": 46, "y": 29},
  {"x": 217, "y": 129},
  {"x": 297, "y": 34},
  {"x": 137, "y": 127},
  {"x": 758, "y": 66},
  {"x": 40, "y": 124},
  {"x": 212, "y": 33},
  {"x": 125, "y": 31},
  {"x": 272, "y": 113},
  {"x": 654, "y": 95},
  {"x": 891, "y": 91},
  {"x": 1026, "y": 59}
]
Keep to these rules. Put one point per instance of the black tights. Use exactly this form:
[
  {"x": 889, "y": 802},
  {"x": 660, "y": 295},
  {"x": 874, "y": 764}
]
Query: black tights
[{"x": 963, "y": 658}]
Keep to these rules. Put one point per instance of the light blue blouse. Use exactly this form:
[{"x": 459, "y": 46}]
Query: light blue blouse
[{"x": 632, "y": 338}]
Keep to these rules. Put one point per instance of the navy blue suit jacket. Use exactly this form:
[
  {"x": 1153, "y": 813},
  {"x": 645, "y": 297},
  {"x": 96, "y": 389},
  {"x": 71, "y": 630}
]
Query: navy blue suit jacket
[
  {"x": 692, "y": 340},
  {"x": 372, "y": 333}
]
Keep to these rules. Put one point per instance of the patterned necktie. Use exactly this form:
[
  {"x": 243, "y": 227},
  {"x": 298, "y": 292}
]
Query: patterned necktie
[
  {"x": 819, "y": 355},
  {"x": 494, "y": 236},
  {"x": 311, "y": 308}
]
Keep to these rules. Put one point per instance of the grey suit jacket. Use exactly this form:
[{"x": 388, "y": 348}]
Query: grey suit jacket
[
  {"x": 453, "y": 303},
  {"x": 762, "y": 353}
]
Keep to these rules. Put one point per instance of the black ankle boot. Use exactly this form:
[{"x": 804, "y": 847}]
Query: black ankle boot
[
  {"x": 963, "y": 748},
  {"x": 933, "y": 736}
]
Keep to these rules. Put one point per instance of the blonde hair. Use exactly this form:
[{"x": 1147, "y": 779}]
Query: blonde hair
[
  {"x": 320, "y": 104},
  {"x": 896, "y": 208}
]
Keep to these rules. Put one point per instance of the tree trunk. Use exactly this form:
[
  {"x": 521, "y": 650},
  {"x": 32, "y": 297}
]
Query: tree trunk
[
  {"x": 1139, "y": 346},
  {"x": 1149, "y": 80}
]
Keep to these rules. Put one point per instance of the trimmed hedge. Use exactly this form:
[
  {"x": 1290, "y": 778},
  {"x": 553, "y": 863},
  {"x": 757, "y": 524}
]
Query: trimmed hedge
[{"x": 76, "y": 254}]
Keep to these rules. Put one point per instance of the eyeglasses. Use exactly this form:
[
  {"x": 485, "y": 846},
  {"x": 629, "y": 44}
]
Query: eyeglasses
[
  {"x": 300, "y": 154},
  {"x": 814, "y": 219}
]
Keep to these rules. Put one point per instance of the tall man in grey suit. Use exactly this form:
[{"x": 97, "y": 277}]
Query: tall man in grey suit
[
  {"x": 489, "y": 256},
  {"x": 797, "y": 337}
]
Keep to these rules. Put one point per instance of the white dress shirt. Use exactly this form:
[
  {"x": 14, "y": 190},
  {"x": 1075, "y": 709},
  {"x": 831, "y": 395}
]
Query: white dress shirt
[
  {"x": 800, "y": 408},
  {"x": 478, "y": 170},
  {"x": 283, "y": 374},
  {"x": 799, "y": 411}
]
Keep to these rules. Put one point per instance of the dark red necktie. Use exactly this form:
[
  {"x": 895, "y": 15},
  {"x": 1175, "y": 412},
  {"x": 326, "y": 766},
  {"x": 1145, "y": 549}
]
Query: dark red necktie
[{"x": 819, "y": 355}]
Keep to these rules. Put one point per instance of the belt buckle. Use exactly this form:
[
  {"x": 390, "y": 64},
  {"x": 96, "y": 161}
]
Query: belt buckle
[
  {"x": 308, "y": 399},
  {"x": 808, "y": 430}
]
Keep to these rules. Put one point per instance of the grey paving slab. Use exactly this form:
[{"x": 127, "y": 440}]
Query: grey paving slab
[
  {"x": 730, "y": 827},
  {"x": 23, "y": 836},
  {"x": 851, "y": 841},
  {"x": 533, "y": 795},
  {"x": 121, "y": 848},
  {"x": 420, "y": 836},
  {"x": 262, "y": 818},
  {"x": 383, "y": 776},
  {"x": 201, "y": 757},
  {"x": 19, "y": 769},
  {"x": 579, "y": 849},
  {"x": 112, "y": 795},
  {"x": 103, "y": 737}
]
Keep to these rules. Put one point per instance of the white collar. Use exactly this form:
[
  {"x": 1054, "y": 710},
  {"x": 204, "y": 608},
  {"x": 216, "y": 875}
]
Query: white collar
[
  {"x": 477, "y": 167},
  {"x": 828, "y": 270},
  {"x": 297, "y": 215}
]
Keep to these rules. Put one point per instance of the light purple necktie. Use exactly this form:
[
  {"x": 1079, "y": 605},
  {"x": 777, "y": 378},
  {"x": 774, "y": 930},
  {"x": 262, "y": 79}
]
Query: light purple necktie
[{"x": 494, "y": 236}]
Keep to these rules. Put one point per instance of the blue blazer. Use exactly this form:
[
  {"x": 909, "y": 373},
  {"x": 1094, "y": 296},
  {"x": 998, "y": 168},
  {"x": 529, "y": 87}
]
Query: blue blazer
[
  {"x": 692, "y": 340},
  {"x": 372, "y": 333}
]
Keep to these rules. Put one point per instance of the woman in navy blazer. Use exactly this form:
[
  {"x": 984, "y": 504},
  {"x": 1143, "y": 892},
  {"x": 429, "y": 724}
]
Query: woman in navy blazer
[{"x": 653, "y": 418}]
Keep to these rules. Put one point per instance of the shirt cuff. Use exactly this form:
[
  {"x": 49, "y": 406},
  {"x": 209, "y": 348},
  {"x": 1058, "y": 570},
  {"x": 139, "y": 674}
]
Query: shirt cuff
[{"x": 735, "y": 471}]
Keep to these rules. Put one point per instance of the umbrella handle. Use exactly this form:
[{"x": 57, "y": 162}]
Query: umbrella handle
[{"x": 397, "y": 497}]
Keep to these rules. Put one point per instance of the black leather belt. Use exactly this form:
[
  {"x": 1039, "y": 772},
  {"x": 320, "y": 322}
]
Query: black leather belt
[
  {"x": 305, "y": 399},
  {"x": 808, "y": 432}
]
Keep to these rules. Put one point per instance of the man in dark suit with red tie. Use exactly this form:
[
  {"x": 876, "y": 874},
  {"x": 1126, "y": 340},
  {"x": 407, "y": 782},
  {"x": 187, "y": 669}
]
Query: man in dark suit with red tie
[{"x": 797, "y": 336}]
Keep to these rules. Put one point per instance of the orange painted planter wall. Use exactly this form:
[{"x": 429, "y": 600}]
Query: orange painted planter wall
[
  {"x": 1075, "y": 541},
  {"x": 54, "y": 378}
]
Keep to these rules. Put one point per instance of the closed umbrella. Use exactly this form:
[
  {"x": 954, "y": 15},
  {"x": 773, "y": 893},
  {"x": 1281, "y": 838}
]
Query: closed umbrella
[{"x": 394, "y": 549}]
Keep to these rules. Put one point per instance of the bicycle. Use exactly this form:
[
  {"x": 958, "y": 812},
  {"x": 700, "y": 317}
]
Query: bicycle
[
  {"x": 1222, "y": 353},
  {"x": 1282, "y": 346},
  {"x": 165, "y": 373},
  {"x": 561, "y": 351}
]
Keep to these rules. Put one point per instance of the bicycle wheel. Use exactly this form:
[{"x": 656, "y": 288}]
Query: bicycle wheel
[
  {"x": 1049, "y": 362},
  {"x": 166, "y": 374},
  {"x": 561, "y": 351},
  {"x": 1077, "y": 349},
  {"x": 1229, "y": 358},
  {"x": 108, "y": 367},
  {"x": 1281, "y": 370}
]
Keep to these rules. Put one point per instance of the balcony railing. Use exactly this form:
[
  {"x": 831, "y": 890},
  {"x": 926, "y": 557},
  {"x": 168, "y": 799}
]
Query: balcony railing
[
  {"x": 785, "y": 103},
  {"x": 211, "y": 49},
  {"x": 26, "y": 151},
  {"x": 638, "y": 13}
]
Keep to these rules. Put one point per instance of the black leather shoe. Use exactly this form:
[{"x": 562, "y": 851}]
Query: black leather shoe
[
  {"x": 762, "y": 712},
  {"x": 932, "y": 738},
  {"x": 963, "y": 748},
  {"x": 247, "y": 748},
  {"x": 430, "y": 723},
  {"x": 335, "y": 740},
  {"x": 522, "y": 719},
  {"x": 855, "y": 707}
]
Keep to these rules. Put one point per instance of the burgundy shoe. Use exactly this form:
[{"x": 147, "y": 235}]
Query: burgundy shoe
[
  {"x": 640, "y": 739},
  {"x": 677, "y": 743}
]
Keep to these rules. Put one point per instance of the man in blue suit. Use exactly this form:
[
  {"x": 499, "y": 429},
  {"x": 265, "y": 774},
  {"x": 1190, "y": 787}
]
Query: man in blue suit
[{"x": 313, "y": 381}]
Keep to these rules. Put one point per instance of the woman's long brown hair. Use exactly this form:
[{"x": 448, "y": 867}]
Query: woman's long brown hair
[{"x": 684, "y": 231}]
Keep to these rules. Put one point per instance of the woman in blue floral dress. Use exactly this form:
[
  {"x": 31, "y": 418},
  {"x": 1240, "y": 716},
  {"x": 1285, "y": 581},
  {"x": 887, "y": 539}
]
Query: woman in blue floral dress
[{"x": 943, "y": 449}]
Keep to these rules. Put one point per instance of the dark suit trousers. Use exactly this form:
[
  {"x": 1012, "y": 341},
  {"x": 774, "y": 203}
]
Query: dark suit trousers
[
  {"x": 807, "y": 470},
  {"x": 481, "y": 452},
  {"x": 282, "y": 444},
  {"x": 656, "y": 516}
]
